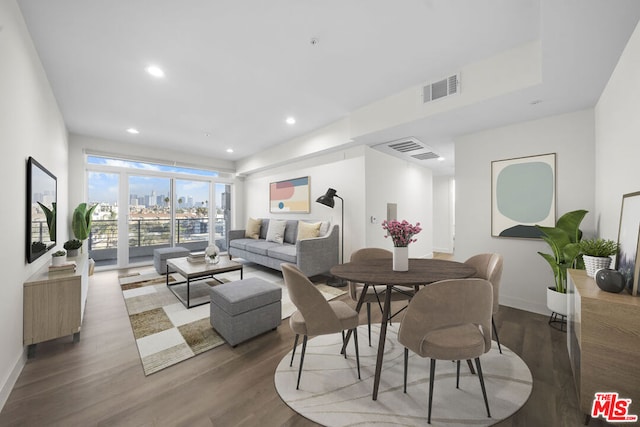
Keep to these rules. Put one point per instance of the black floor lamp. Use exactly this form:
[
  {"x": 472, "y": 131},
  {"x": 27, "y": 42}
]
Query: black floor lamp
[{"x": 328, "y": 200}]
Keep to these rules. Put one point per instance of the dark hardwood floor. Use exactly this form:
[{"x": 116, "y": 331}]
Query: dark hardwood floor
[{"x": 100, "y": 382}]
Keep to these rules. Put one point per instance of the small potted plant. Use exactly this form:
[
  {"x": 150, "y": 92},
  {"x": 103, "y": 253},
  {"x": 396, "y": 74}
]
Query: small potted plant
[
  {"x": 596, "y": 254},
  {"x": 58, "y": 258},
  {"x": 72, "y": 246}
]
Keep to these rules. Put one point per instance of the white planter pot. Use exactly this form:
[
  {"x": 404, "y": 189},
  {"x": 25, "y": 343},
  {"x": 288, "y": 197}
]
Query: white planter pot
[
  {"x": 58, "y": 260},
  {"x": 556, "y": 301},
  {"x": 401, "y": 258},
  {"x": 595, "y": 263}
]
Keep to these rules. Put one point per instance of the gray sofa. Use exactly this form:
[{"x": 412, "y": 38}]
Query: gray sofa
[{"x": 312, "y": 256}]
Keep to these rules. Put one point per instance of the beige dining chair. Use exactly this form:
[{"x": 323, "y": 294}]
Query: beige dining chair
[
  {"x": 449, "y": 320},
  {"x": 316, "y": 315},
  {"x": 375, "y": 294},
  {"x": 489, "y": 267}
]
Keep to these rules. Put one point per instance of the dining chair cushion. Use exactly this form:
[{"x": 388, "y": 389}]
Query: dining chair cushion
[
  {"x": 489, "y": 267},
  {"x": 453, "y": 343},
  {"x": 347, "y": 317}
]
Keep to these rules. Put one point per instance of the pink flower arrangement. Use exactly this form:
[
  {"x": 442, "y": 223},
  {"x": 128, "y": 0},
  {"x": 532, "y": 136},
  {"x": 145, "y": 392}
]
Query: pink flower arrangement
[{"x": 401, "y": 232}]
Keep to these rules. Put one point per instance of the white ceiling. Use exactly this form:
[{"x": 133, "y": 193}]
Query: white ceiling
[{"x": 235, "y": 69}]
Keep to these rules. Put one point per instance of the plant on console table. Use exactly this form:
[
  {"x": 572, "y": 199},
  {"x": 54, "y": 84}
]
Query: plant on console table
[
  {"x": 401, "y": 233},
  {"x": 564, "y": 241},
  {"x": 72, "y": 246},
  {"x": 81, "y": 221},
  {"x": 597, "y": 253}
]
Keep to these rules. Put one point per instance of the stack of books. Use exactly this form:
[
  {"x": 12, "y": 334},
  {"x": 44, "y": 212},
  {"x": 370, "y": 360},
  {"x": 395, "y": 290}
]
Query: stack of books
[
  {"x": 196, "y": 257},
  {"x": 68, "y": 267}
]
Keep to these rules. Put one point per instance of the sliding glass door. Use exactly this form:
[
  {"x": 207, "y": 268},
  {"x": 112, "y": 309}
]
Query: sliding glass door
[{"x": 145, "y": 206}]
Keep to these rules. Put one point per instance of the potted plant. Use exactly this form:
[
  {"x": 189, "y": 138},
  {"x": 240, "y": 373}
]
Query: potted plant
[
  {"x": 72, "y": 246},
  {"x": 81, "y": 221},
  {"x": 563, "y": 239},
  {"x": 596, "y": 254},
  {"x": 57, "y": 258}
]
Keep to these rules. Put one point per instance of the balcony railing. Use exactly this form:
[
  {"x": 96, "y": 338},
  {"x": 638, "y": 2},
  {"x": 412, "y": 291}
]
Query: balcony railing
[{"x": 147, "y": 234}]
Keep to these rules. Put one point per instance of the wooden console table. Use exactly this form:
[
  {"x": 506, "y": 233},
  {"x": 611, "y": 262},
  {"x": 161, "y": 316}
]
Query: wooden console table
[
  {"x": 603, "y": 339},
  {"x": 54, "y": 304}
]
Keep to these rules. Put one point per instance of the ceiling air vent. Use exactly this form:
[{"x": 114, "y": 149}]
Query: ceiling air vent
[
  {"x": 441, "y": 89},
  {"x": 408, "y": 148}
]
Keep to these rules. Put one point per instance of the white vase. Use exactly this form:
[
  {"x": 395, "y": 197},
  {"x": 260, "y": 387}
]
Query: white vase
[
  {"x": 401, "y": 258},
  {"x": 57, "y": 260},
  {"x": 595, "y": 263}
]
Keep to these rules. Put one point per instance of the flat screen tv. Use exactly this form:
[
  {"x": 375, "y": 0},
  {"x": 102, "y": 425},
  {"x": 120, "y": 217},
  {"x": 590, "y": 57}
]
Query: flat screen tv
[{"x": 41, "y": 210}]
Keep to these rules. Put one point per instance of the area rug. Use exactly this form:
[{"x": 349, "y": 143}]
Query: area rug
[
  {"x": 331, "y": 394},
  {"x": 166, "y": 332}
]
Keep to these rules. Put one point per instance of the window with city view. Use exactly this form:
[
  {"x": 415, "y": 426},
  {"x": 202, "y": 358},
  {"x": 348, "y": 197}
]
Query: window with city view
[{"x": 164, "y": 206}]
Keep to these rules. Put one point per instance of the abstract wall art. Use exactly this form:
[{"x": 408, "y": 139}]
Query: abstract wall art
[
  {"x": 523, "y": 195},
  {"x": 627, "y": 261},
  {"x": 289, "y": 196}
]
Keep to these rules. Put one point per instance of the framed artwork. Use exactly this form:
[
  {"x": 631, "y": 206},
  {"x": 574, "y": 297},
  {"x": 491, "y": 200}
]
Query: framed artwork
[
  {"x": 627, "y": 261},
  {"x": 289, "y": 196},
  {"x": 523, "y": 194}
]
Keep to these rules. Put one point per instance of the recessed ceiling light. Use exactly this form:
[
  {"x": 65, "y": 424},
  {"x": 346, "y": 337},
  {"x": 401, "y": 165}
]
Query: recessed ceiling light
[
  {"x": 229, "y": 150},
  {"x": 291, "y": 120},
  {"x": 155, "y": 71},
  {"x": 440, "y": 159},
  {"x": 133, "y": 131}
]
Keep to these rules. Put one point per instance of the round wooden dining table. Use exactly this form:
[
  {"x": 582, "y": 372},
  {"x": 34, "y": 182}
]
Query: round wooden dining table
[{"x": 422, "y": 271}]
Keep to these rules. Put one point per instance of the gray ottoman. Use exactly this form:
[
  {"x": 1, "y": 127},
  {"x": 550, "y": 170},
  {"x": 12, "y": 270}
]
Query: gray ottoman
[
  {"x": 245, "y": 308},
  {"x": 160, "y": 257}
]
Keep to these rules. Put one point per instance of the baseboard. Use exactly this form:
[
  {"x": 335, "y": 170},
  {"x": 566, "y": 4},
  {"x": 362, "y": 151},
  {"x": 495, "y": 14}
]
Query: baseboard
[
  {"x": 521, "y": 304},
  {"x": 7, "y": 387}
]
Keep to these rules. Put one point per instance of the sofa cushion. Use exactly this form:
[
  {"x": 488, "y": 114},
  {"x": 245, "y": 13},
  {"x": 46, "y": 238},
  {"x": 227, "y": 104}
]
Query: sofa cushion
[
  {"x": 308, "y": 230},
  {"x": 240, "y": 243},
  {"x": 253, "y": 228},
  {"x": 291, "y": 232},
  {"x": 260, "y": 246},
  {"x": 286, "y": 253},
  {"x": 324, "y": 228},
  {"x": 276, "y": 231},
  {"x": 264, "y": 228}
]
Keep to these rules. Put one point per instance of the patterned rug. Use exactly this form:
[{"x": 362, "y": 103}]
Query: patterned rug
[
  {"x": 331, "y": 394},
  {"x": 166, "y": 332}
]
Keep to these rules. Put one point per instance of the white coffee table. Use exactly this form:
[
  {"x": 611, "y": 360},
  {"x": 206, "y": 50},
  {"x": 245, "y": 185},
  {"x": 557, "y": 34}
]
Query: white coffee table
[{"x": 194, "y": 271}]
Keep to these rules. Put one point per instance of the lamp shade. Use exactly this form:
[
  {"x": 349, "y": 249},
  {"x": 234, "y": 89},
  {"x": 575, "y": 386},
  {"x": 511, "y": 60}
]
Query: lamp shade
[{"x": 328, "y": 198}]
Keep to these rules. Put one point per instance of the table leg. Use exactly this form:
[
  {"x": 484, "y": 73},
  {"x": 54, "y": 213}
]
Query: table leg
[
  {"x": 188, "y": 299},
  {"x": 363, "y": 294},
  {"x": 383, "y": 337}
]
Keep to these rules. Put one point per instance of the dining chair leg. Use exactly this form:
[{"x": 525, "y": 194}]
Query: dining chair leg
[
  {"x": 406, "y": 366},
  {"x": 344, "y": 340},
  {"x": 369, "y": 321},
  {"x": 457, "y": 374},
  {"x": 304, "y": 348},
  {"x": 355, "y": 342},
  {"x": 293, "y": 353},
  {"x": 471, "y": 368},
  {"x": 484, "y": 391},
  {"x": 432, "y": 373},
  {"x": 495, "y": 332}
]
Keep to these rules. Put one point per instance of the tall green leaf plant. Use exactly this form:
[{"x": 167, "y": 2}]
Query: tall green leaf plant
[
  {"x": 563, "y": 239},
  {"x": 81, "y": 221}
]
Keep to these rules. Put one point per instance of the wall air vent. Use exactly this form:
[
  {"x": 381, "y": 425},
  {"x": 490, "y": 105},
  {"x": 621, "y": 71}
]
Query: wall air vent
[
  {"x": 408, "y": 148},
  {"x": 441, "y": 89}
]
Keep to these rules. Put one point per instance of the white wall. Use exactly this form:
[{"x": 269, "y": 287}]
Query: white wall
[
  {"x": 367, "y": 180},
  {"x": 571, "y": 136},
  {"x": 391, "y": 180},
  {"x": 30, "y": 125},
  {"x": 618, "y": 139},
  {"x": 443, "y": 214}
]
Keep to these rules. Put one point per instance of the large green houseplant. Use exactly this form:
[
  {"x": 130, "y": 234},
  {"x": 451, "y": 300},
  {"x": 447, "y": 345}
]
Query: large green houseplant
[
  {"x": 563, "y": 239},
  {"x": 81, "y": 221}
]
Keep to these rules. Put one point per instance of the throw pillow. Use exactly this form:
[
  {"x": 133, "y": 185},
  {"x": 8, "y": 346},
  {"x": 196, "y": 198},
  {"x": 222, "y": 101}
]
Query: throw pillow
[
  {"x": 253, "y": 228},
  {"x": 308, "y": 230},
  {"x": 276, "y": 231}
]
